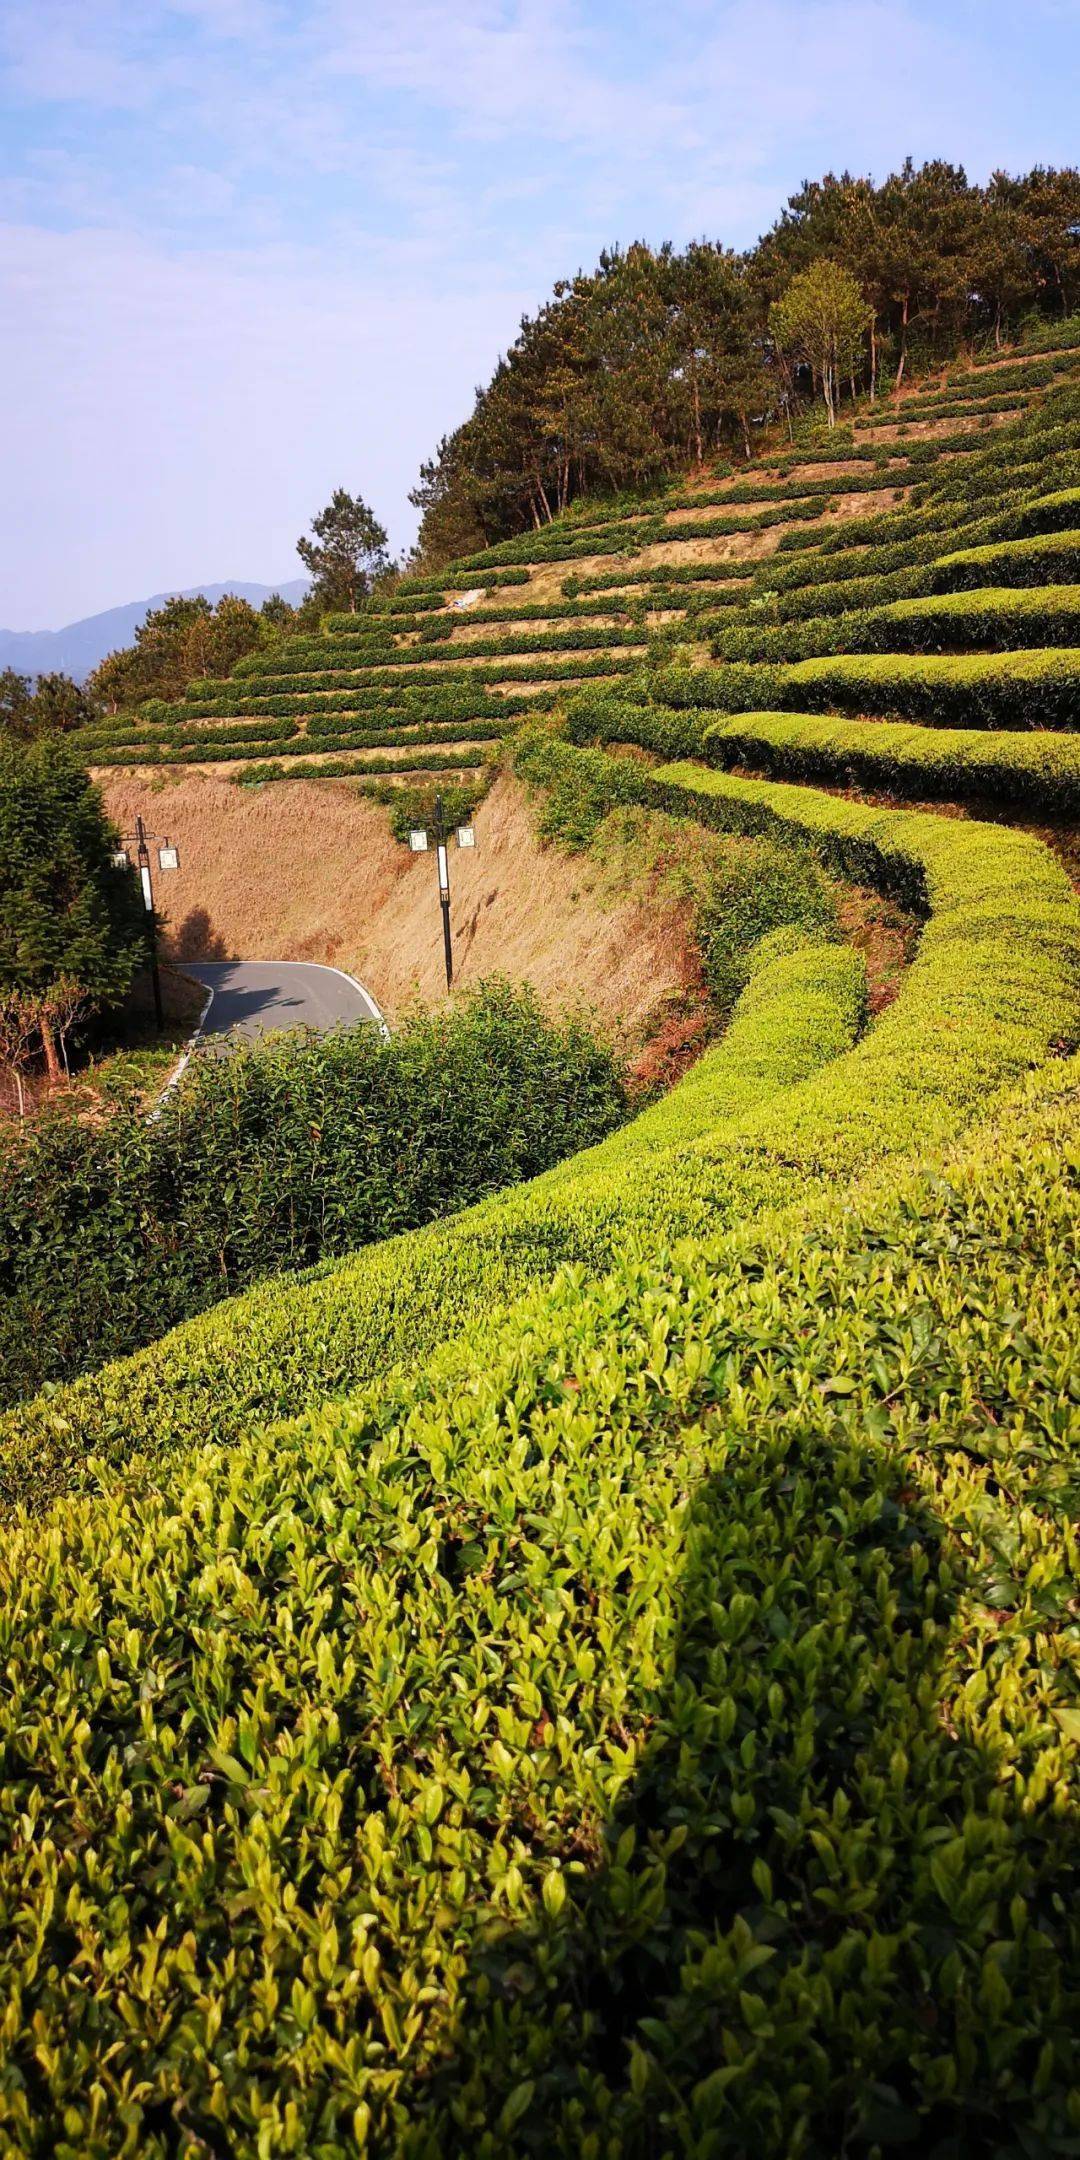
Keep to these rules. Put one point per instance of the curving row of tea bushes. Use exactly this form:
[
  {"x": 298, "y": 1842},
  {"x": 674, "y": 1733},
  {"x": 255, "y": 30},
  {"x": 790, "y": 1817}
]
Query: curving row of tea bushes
[
  {"x": 802, "y": 1006},
  {"x": 993, "y": 990},
  {"x": 317, "y": 658},
  {"x": 1033, "y": 771},
  {"x": 1013, "y": 689},
  {"x": 651, "y": 1727},
  {"x": 203, "y": 748},
  {"x": 616, "y": 1733},
  {"x": 1052, "y": 558},
  {"x": 672, "y": 576},
  {"x": 937, "y": 536},
  {"x": 985, "y": 619},
  {"x": 1037, "y": 770}
]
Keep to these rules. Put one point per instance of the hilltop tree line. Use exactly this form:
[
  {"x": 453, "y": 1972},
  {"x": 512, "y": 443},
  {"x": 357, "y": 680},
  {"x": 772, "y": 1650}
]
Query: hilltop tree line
[
  {"x": 651, "y": 362},
  {"x": 659, "y": 356}
]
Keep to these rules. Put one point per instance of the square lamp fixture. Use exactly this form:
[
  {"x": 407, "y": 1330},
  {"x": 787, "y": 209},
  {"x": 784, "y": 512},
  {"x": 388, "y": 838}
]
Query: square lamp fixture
[
  {"x": 466, "y": 836},
  {"x": 120, "y": 859},
  {"x": 418, "y": 842},
  {"x": 168, "y": 858}
]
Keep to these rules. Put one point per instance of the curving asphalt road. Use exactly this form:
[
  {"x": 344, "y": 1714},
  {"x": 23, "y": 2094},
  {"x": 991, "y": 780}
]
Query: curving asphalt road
[{"x": 251, "y": 996}]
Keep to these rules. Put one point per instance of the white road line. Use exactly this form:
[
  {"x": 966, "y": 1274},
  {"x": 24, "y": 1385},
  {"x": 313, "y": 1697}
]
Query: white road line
[
  {"x": 324, "y": 969},
  {"x": 178, "y": 1070}
]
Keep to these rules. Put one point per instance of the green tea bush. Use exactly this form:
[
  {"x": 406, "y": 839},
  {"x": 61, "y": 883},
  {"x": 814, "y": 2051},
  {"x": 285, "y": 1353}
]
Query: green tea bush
[
  {"x": 1014, "y": 689},
  {"x": 1041, "y": 559},
  {"x": 677, "y": 575},
  {"x": 286, "y": 1343},
  {"x": 346, "y": 768},
  {"x": 986, "y": 619},
  {"x": 1037, "y": 770},
  {"x": 1033, "y": 771},
  {"x": 1045, "y": 558},
  {"x": 270, "y": 1157},
  {"x": 651, "y": 1727}
]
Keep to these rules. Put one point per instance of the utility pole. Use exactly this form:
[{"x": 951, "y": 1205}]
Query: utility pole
[
  {"x": 168, "y": 859},
  {"x": 419, "y": 842}
]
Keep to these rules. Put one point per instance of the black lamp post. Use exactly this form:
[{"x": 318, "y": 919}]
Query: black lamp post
[
  {"x": 168, "y": 859},
  {"x": 420, "y": 841}
]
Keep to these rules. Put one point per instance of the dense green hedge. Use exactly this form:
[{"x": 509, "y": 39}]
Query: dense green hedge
[
  {"x": 1052, "y": 558},
  {"x": 284, "y": 1344},
  {"x": 409, "y": 700},
  {"x": 330, "y": 768},
  {"x": 1041, "y": 559},
  {"x": 271, "y": 1157},
  {"x": 203, "y": 747},
  {"x": 675, "y": 575},
  {"x": 553, "y": 609},
  {"x": 1036, "y": 770},
  {"x": 1015, "y": 689},
  {"x": 445, "y": 581}
]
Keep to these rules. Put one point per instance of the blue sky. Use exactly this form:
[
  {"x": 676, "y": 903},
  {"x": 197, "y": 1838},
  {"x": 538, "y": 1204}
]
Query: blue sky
[{"x": 251, "y": 250}]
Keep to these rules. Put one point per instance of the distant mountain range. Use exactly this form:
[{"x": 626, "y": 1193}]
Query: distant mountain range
[{"x": 77, "y": 648}]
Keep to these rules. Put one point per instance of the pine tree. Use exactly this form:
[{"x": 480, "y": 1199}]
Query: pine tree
[
  {"x": 71, "y": 920},
  {"x": 821, "y": 321},
  {"x": 347, "y": 553}
]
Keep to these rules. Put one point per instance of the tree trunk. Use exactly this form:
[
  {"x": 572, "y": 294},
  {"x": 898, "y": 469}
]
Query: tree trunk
[
  {"x": 903, "y": 343},
  {"x": 48, "y": 1044},
  {"x": 873, "y": 358},
  {"x": 697, "y": 415}
]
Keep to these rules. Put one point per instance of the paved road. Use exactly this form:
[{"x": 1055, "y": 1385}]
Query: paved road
[{"x": 251, "y": 996}]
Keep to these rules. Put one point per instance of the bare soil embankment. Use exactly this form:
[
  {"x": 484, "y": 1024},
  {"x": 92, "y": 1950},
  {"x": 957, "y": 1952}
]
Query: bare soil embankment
[{"x": 309, "y": 870}]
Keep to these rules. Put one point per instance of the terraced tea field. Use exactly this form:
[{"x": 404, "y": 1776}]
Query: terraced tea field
[
  {"x": 428, "y": 681},
  {"x": 600, "y": 1674}
]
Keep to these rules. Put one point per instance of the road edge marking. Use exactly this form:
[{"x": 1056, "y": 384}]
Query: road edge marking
[
  {"x": 325, "y": 968},
  {"x": 180, "y": 1068}
]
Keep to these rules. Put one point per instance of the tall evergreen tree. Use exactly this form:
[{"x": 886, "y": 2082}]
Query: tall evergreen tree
[
  {"x": 71, "y": 920},
  {"x": 346, "y": 553},
  {"x": 820, "y": 322}
]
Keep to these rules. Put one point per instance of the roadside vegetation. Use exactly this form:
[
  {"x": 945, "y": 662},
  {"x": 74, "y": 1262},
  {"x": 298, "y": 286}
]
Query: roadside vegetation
[{"x": 270, "y": 1158}]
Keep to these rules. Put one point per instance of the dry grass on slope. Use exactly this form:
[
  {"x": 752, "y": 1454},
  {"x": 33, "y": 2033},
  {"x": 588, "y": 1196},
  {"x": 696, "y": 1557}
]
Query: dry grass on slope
[{"x": 310, "y": 871}]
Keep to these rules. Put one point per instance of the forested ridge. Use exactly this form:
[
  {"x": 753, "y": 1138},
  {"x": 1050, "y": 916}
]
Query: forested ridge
[{"x": 660, "y": 355}]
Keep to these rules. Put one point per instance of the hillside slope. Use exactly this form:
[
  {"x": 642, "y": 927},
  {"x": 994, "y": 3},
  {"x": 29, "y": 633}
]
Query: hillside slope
[
  {"x": 600, "y": 1675},
  {"x": 427, "y": 681},
  {"x": 314, "y": 873}
]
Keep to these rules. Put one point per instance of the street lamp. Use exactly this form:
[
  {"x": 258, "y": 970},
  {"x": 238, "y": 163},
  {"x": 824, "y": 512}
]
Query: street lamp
[
  {"x": 168, "y": 859},
  {"x": 419, "y": 842}
]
